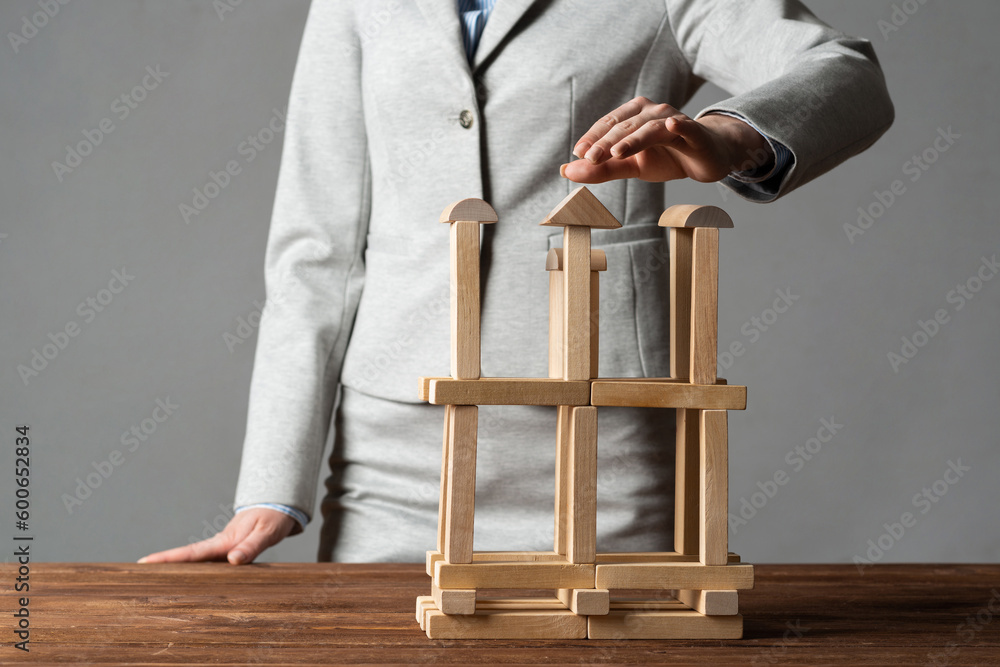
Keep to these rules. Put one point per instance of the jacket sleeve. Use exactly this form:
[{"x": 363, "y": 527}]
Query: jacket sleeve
[
  {"x": 314, "y": 267},
  {"x": 817, "y": 91}
]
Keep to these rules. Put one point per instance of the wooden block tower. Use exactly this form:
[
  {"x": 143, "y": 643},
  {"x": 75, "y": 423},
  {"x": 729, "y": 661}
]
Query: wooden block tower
[{"x": 688, "y": 593}]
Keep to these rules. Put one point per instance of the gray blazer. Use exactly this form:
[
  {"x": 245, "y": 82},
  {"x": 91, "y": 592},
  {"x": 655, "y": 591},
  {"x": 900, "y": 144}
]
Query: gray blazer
[{"x": 388, "y": 123}]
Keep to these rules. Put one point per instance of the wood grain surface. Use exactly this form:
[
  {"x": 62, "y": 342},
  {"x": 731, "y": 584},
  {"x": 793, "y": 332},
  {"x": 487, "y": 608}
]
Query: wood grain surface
[{"x": 285, "y": 614}]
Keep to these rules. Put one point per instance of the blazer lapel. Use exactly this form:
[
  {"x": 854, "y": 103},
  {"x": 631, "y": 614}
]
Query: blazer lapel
[
  {"x": 443, "y": 17},
  {"x": 503, "y": 18}
]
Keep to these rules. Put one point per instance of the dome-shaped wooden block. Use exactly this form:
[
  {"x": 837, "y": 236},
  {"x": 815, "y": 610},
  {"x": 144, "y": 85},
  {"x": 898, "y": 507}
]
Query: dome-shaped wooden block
[
  {"x": 469, "y": 210},
  {"x": 696, "y": 216}
]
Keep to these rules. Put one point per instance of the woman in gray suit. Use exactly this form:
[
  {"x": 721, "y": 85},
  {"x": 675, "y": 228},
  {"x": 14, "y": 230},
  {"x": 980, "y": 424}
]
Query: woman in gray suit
[{"x": 399, "y": 108}]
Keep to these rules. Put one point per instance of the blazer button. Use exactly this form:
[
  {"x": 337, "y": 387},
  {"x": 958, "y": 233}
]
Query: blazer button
[{"x": 465, "y": 118}]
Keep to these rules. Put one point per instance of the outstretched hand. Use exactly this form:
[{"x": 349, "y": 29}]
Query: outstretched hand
[
  {"x": 246, "y": 535},
  {"x": 656, "y": 142}
]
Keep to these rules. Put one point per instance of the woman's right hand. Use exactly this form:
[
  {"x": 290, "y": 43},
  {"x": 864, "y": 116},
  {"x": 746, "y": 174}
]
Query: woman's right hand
[{"x": 244, "y": 538}]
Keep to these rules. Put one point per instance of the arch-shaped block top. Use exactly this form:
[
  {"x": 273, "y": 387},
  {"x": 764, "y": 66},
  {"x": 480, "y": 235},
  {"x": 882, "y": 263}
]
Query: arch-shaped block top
[
  {"x": 581, "y": 208},
  {"x": 469, "y": 210},
  {"x": 696, "y": 216}
]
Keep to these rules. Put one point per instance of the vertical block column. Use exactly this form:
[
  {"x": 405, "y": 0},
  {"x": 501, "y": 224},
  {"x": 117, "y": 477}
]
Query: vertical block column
[
  {"x": 581, "y": 535},
  {"x": 460, "y": 486},
  {"x": 576, "y": 303},
  {"x": 465, "y": 308},
  {"x": 714, "y": 538},
  {"x": 704, "y": 306}
]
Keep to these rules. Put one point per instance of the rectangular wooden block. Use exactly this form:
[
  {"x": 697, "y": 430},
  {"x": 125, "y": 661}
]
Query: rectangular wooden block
[
  {"x": 507, "y": 391},
  {"x": 712, "y": 603},
  {"x": 443, "y": 497},
  {"x": 576, "y": 305},
  {"x": 687, "y": 488},
  {"x": 704, "y": 306},
  {"x": 651, "y": 394},
  {"x": 465, "y": 307},
  {"x": 581, "y": 539},
  {"x": 557, "y": 304},
  {"x": 424, "y": 602},
  {"x": 502, "y": 557},
  {"x": 518, "y": 575},
  {"x": 564, "y": 415},
  {"x": 461, "y": 483},
  {"x": 714, "y": 487},
  {"x": 666, "y": 624},
  {"x": 670, "y": 576},
  {"x": 454, "y": 601},
  {"x": 595, "y": 323},
  {"x": 585, "y": 601},
  {"x": 612, "y": 557},
  {"x": 507, "y": 624},
  {"x": 681, "y": 247}
]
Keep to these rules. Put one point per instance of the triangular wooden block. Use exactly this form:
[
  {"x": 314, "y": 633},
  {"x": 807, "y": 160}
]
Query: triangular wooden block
[{"x": 581, "y": 208}]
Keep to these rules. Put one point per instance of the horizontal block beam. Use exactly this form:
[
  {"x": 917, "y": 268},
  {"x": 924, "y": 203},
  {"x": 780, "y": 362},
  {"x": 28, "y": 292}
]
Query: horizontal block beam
[
  {"x": 652, "y": 557},
  {"x": 667, "y": 624},
  {"x": 650, "y": 394},
  {"x": 519, "y": 575},
  {"x": 506, "y": 624},
  {"x": 554, "y": 260},
  {"x": 669, "y": 576},
  {"x": 505, "y": 391},
  {"x": 460, "y": 601}
]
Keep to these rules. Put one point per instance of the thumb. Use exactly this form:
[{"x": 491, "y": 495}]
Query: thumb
[{"x": 263, "y": 535}]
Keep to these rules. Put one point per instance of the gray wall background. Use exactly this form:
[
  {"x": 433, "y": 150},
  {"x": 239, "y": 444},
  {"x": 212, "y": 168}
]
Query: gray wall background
[{"x": 162, "y": 337}]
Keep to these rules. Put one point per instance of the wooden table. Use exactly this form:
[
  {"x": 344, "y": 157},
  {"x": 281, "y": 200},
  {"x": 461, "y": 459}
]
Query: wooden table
[{"x": 108, "y": 613}]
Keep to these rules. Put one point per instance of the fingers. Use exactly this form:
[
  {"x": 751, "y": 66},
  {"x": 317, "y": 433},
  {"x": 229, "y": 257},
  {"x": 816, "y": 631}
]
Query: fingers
[
  {"x": 214, "y": 548},
  {"x": 599, "y": 129},
  {"x": 585, "y": 171},
  {"x": 629, "y": 129},
  {"x": 243, "y": 539}
]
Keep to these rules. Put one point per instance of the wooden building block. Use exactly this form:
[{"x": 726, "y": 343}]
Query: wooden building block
[
  {"x": 554, "y": 260},
  {"x": 454, "y": 601},
  {"x": 507, "y": 391},
  {"x": 647, "y": 393},
  {"x": 687, "y": 486},
  {"x": 690, "y": 216},
  {"x": 576, "y": 303},
  {"x": 518, "y": 575},
  {"x": 564, "y": 415},
  {"x": 581, "y": 208},
  {"x": 681, "y": 249},
  {"x": 669, "y": 576},
  {"x": 608, "y": 558},
  {"x": 445, "y": 458},
  {"x": 704, "y": 306},
  {"x": 581, "y": 537},
  {"x": 585, "y": 601},
  {"x": 517, "y": 557},
  {"x": 595, "y": 323},
  {"x": 465, "y": 306},
  {"x": 714, "y": 501},
  {"x": 424, "y": 602},
  {"x": 557, "y": 305},
  {"x": 507, "y": 624},
  {"x": 469, "y": 210},
  {"x": 461, "y": 484},
  {"x": 664, "y": 624},
  {"x": 712, "y": 603}
]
